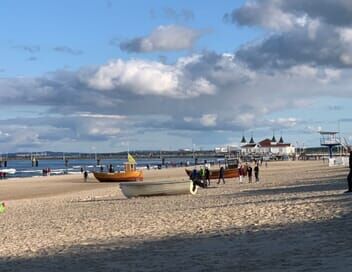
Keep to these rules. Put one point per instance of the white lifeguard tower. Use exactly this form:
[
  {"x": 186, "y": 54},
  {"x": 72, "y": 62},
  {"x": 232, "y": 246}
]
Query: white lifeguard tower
[{"x": 329, "y": 139}]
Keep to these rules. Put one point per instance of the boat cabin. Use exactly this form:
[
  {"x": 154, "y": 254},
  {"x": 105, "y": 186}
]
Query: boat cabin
[{"x": 129, "y": 167}]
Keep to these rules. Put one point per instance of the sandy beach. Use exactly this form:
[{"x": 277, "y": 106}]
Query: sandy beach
[{"x": 297, "y": 218}]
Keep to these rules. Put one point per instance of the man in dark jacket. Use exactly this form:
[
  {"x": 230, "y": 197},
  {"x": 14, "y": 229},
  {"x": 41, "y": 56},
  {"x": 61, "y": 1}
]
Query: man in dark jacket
[
  {"x": 221, "y": 175},
  {"x": 256, "y": 172},
  {"x": 349, "y": 177},
  {"x": 207, "y": 176}
]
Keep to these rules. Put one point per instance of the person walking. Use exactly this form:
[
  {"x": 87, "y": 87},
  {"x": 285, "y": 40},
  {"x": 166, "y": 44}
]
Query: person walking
[
  {"x": 85, "y": 175},
  {"x": 221, "y": 175},
  {"x": 256, "y": 172},
  {"x": 207, "y": 176},
  {"x": 241, "y": 172},
  {"x": 349, "y": 176},
  {"x": 249, "y": 172},
  {"x": 202, "y": 174}
]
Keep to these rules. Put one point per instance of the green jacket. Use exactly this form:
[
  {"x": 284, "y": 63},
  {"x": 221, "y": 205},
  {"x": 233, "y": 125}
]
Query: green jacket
[{"x": 2, "y": 207}]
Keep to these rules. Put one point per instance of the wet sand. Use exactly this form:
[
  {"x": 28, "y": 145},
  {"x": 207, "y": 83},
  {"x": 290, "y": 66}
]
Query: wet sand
[{"x": 295, "y": 219}]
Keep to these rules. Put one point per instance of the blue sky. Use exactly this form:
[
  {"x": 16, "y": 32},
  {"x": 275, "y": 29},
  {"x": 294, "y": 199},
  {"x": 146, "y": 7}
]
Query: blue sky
[
  {"x": 90, "y": 26},
  {"x": 107, "y": 75}
]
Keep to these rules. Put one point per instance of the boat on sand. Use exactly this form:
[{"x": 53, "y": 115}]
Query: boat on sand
[
  {"x": 215, "y": 173},
  {"x": 157, "y": 188},
  {"x": 129, "y": 174},
  {"x": 135, "y": 175}
]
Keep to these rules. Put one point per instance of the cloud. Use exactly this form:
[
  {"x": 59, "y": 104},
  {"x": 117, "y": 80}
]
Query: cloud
[
  {"x": 164, "y": 38},
  {"x": 281, "y": 15},
  {"x": 335, "y": 107},
  {"x": 338, "y": 12},
  {"x": 284, "y": 50},
  {"x": 28, "y": 48},
  {"x": 262, "y": 13},
  {"x": 284, "y": 122},
  {"x": 208, "y": 120},
  {"x": 101, "y": 116},
  {"x": 115, "y": 41},
  {"x": 68, "y": 50},
  {"x": 4, "y": 136},
  {"x": 314, "y": 33},
  {"x": 38, "y": 132},
  {"x": 149, "y": 78},
  {"x": 182, "y": 15},
  {"x": 208, "y": 92},
  {"x": 32, "y": 58}
]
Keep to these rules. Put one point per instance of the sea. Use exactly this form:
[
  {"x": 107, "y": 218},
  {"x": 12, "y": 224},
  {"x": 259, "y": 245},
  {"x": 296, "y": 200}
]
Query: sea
[{"x": 24, "y": 168}]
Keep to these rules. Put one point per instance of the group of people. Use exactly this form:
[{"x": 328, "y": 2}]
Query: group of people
[
  {"x": 247, "y": 170},
  {"x": 46, "y": 171},
  {"x": 202, "y": 177}
]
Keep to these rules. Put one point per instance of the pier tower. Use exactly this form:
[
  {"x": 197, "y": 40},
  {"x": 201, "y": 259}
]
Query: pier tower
[{"x": 329, "y": 139}]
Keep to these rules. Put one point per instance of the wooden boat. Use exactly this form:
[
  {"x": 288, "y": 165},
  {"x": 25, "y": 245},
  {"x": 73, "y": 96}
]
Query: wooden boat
[
  {"x": 118, "y": 176},
  {"x": 157, "y": 188},
  {"x": 214, "y": 173},
  {"x": 129, "y": 174}
]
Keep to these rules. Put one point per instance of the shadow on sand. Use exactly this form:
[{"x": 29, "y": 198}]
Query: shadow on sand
[
  {"x": 311, "y": 246},
  {"x": 333, "y": 184},
  {"x": 300, "y": 247}
]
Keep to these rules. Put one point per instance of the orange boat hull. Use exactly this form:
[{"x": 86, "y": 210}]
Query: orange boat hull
[
  {"x": 214, "y": 173},
  {"x": 117, "y": 176}
]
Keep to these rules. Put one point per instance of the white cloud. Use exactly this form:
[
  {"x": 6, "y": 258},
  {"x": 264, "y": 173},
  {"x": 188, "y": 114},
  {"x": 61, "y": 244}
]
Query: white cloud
[
  {"x": 150, "y": 78},
  {"x": 304, "y": 71},
  {"x": 208, "y": 120},
  {"x": 314, "y": 129},
  {"x": 284, "y": 122},
  {"x": 103, "y": 130},
  {"x": 4, "y": 135},
  {"x": 246, "y": 119},
  {"x": 312, "y": 29},
  {"x": 218, "y": 93},
  {"x": 187, "y": 119},
  {"x": 164, "y": 38},
  {"x": 332, "y": 74},
  {"x": 102, "y": 116},
  {"x": 345, "y": 35}
]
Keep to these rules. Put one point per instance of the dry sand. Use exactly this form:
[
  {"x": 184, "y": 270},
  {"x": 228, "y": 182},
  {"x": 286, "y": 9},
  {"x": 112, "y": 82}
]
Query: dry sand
[{"x": 295, "y": 219}]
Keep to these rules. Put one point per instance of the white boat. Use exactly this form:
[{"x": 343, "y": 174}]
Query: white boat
[
  {"x": 153, "y": 188},
  {"x": 8, "y": 170}
]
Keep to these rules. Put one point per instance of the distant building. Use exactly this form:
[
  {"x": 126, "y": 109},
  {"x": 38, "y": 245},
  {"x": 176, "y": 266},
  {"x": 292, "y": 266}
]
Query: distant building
[
  {"x": 267, "y": 146},
  {"x": 185, "y": 150},
  {"x": 226, "y": 149}
]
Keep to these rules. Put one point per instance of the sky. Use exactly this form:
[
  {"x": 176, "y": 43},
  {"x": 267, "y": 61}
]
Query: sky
[{"x": 110, "y": 76}]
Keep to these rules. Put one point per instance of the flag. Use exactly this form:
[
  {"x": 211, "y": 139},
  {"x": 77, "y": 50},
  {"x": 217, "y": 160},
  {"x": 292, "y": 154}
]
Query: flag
[{"x": 131, "y": 159}]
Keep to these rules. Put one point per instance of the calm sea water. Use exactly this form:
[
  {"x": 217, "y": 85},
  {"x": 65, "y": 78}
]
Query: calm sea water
[{"x": 57, "y": 167}]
